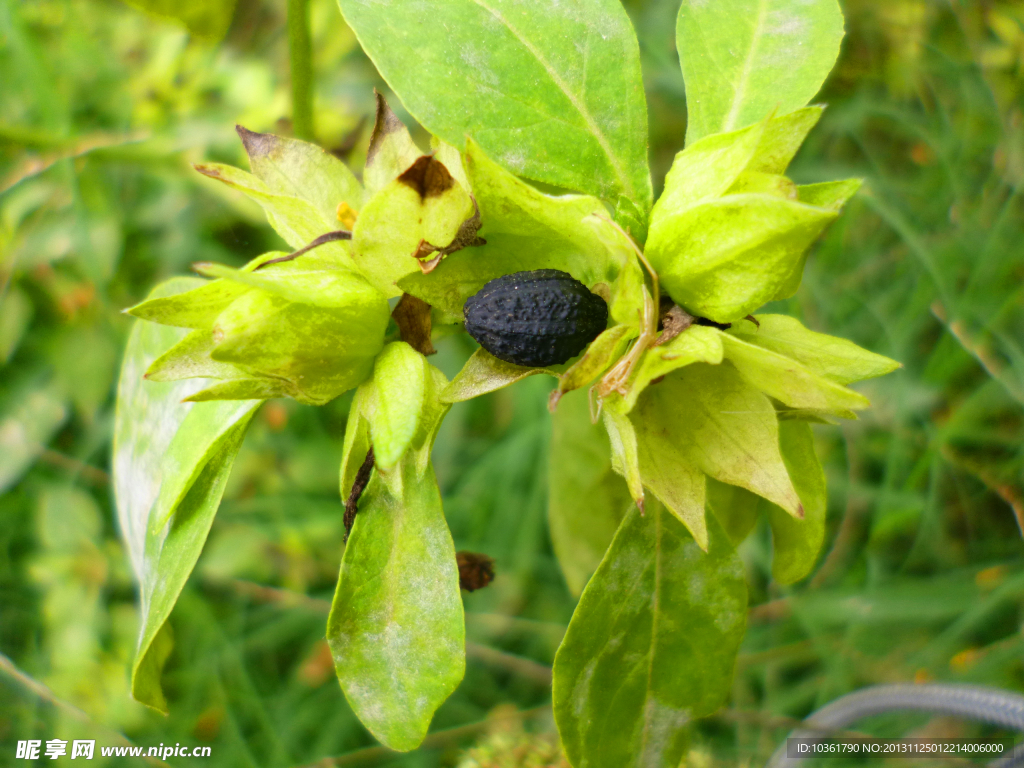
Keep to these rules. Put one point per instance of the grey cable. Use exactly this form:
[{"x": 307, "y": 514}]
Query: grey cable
[{"x": 971, "y": 702}]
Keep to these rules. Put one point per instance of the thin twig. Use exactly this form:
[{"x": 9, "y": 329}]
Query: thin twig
[
  {"x": 89, "y": 472},
  {"x": 44, "y": 692},
  {"x": 528, "y": 668},
  {"x": 436, "y": 740}
]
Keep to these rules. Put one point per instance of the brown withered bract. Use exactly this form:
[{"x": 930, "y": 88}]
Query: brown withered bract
[
  {"x": 476, "y": 570},
  {"x": 428, "y": 177},
  {"x": 386, "y": 123},
  {"x": 412, "y": 315}
]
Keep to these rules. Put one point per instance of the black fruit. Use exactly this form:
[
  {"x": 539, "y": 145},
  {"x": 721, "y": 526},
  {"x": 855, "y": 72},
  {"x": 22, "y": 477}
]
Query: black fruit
[{"x": 535, "y": 318}]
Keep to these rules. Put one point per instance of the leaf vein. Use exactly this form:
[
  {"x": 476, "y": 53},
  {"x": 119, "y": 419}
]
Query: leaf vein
[
  {"x": 574, "y": 99},
  {"x": 748, "y": 67}
]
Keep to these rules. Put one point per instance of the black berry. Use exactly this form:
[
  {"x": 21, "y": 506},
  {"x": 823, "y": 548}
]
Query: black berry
[{"x": 535, "y": 318}]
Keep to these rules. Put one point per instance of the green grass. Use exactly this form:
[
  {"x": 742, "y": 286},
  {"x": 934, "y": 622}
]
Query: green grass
[{"x": 922, "y": 572}]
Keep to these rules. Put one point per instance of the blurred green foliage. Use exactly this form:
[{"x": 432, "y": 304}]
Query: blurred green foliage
[{"x": 102, "y": 110}]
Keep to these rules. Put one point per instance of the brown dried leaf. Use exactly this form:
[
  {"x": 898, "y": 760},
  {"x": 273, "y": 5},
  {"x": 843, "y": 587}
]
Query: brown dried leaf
[{"x": 414, "y": 326}]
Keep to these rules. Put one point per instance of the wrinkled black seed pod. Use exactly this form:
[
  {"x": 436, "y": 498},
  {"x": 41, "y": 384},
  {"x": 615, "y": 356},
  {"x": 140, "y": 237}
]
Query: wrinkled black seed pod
[{"x": 535, "y": 318}]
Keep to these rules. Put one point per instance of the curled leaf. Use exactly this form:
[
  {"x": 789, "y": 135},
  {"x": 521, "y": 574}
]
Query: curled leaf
[{"x": 602, "y": 352}]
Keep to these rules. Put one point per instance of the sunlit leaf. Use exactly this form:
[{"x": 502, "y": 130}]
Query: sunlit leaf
[
  {"x": 833, "y": 358},
  {"x": 788, "y": 381},
  {"x": 190, "y": 359},
  {"x": 783, "y": 135},
  {"x": 651, "y": 646},
  {"x": 295, "y": 219},
  {"x": 553, "y": 92},
  {"x": 744, "y": 59},
  {"x": 722, "y": 425},
  {"x": 313, "y": 325},
  {"x": 829, "y": 194},
  {"x": 697, "y": 344},
  {"x": 424, "y": 205},
  {"x": 526, "y": 229},
  {"x": 391, "y": 149},
  {"x": 195, "y": 308},
  {"x": 396, "y": 628},
  {"x": 395, "y": 401},
  {"x": 704, "y": 170},
  {"x": 724, "y": 258},
  {"x": 586, "y": 498}
]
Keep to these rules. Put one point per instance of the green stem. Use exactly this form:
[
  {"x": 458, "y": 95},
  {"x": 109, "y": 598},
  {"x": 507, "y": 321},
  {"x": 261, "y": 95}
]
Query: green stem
[{"x": 301, "y": 61}]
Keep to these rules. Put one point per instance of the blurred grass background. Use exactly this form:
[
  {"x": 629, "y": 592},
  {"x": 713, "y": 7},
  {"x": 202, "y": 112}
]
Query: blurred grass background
[{"x": 102, "y": 110}]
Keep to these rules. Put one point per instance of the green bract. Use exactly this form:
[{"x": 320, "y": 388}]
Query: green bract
[
  {"x": 696, "y": 419},
  {"x": 305, "y": 329}
]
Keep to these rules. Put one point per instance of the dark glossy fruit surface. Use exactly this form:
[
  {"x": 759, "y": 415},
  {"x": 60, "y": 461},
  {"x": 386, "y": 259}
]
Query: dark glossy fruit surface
[{"x": 535, "y": 318}]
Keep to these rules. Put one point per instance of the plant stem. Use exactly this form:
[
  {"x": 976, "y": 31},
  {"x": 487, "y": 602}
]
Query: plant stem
[{"x": 301, "y": 62}]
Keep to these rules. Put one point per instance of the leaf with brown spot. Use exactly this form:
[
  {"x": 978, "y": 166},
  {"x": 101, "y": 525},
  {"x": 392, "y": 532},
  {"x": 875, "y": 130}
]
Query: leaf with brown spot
[
  {"x": 421, "y": 212},
  {"x": 428, "y": 177},
  {"x": 303, "y": 170},
  {"x": 391, "y": 150}
]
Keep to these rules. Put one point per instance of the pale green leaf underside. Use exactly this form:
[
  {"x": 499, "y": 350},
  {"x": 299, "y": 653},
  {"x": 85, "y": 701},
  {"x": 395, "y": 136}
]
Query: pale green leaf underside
[
  {"x": 195, "y": 472},
  {"x": 651, "y": 645},
  {"x": 396, "y": 628},
  {"x": 744, "y": 59},
  {"x": 553, "y": 91},
  {"x": 171, "y": 460}
]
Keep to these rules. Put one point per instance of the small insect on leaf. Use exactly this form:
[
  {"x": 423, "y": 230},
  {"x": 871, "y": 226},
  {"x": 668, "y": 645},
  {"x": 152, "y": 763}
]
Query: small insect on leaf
[
  {"x": 476, "y": 571},
  {"x": 537, "y": 318}
]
